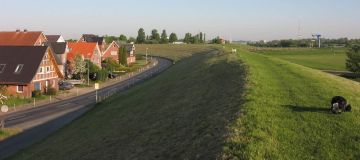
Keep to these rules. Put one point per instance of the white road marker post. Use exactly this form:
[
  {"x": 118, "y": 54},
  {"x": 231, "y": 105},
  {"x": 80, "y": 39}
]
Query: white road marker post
[{"x": 96, "y": 92}]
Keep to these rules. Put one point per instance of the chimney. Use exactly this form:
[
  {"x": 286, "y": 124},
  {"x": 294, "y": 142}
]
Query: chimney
[
  {"x": 25, "y": 30},
  {"x": 17, "y": 30}
]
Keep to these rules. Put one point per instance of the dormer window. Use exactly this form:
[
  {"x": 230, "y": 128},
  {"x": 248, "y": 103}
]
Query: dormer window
[
  {"x": 19, "y": 68},
  {"x": 2, "y": 68}
]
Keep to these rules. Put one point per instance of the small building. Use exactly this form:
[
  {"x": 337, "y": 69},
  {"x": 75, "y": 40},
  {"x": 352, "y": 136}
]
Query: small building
[
  {"x": 61, "y": 50},
  {"x": 89, "y": 51},
  {"x": 111, "y": 51},
  {"x": 91, "y": 38},
  {"x": 24, "y": 69},
  {"x": 55, "y": 38},
  {"x": 22, "y": 38},
  {"x": 130, "y": 50}
]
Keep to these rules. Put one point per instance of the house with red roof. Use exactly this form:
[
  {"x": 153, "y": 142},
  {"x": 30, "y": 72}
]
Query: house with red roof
[
  {"x": 24, "y": 69},
  {"x": 91, "y": 38},
  {"x": 22, "y": 38},
  {"x": 89, "y": 51}
]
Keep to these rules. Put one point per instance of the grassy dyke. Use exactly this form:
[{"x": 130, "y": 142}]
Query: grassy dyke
[
  {"x": 322, "y": 59},
  {"x": 172, "y": 51},
  {"x": 183, "y": 113},
  {"x": 286, "y": 114}
]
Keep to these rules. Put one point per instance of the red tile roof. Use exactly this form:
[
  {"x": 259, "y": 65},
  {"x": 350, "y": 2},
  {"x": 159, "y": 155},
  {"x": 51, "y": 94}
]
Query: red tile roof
[
  {"x": 19, "y": 38},
  {"x": 84, "y": 48}
]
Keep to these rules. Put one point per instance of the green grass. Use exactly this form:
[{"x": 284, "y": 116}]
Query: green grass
[
  {"x": 8, "y": 132},
  {"x": 323, "y": 59},
  {"x": 174, "y": 52},
  {"x": 211, "y": 106},
  {"x": 181, "y": 114},
  {"x": 286, "y": 114}
]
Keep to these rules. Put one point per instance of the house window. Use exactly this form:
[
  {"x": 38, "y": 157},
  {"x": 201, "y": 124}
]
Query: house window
[
  {"x": 113, "y": 53},
  {"x": 48, "y": 69},
  {"x": 2, "y": 68},
  {"x": 20, "y": 89},
  {"x": 41, "y": 70},
  {"x": 37, "y": 86},
  {"x": 19, "y": 68}
]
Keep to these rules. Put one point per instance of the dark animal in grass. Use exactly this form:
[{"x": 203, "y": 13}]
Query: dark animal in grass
[{"x": 339, "y": 104}]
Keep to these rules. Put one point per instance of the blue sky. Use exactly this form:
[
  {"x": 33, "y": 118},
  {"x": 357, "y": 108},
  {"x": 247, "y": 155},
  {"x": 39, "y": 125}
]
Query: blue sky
[{"x": 231, "y": 19}]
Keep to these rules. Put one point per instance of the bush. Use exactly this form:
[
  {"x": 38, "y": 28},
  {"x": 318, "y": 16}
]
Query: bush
[
  {"x": 36, "y": 93},
  {"x": 353, "y": 60},
  {"x": 51, "y": 91},
  {"x": 102, "y": 75},
  {"x": 139, "y": 57}
]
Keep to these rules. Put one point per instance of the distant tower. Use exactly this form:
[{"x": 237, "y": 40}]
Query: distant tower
[
  {"x": 318, "y": 36},
  {"x": 299, "y": 30}
]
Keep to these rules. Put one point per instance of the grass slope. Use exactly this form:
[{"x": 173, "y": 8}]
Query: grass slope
[
  {"x": 323, "y": 59},
  {"x": 286, "y": 114},
  {"x": 181, "y": 114},
  {"x": 172, "y": 51}
]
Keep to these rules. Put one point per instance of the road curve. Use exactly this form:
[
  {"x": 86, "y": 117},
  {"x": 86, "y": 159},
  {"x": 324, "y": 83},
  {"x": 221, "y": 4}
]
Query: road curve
[{"x": 39, "y": 122}]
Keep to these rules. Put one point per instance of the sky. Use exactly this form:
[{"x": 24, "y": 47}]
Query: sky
[{"x": 230, "y": 19}]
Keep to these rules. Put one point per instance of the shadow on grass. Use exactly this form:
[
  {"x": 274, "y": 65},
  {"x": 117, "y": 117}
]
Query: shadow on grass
[{"x": 308, "y": 109}]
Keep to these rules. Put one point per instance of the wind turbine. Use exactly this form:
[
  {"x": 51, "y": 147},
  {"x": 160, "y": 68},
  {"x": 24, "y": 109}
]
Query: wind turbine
[{"x": 318, "y": 37}]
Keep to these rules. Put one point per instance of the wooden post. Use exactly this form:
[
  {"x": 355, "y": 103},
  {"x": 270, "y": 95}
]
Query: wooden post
[{"x": 2, "y": 124}]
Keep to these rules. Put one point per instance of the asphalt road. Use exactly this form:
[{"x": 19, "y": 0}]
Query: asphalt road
[{"x": 39, "y": 122}]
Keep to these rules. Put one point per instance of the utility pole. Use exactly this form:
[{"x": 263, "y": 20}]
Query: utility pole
[
  {"x": 146, "y": 55},
  {"x": 88, "y": 73}
]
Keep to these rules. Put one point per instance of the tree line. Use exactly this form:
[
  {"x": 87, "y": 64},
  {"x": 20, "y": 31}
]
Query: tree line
[
  {"x": 156, "y": 38},
  {"x": 340, "y": 42}
]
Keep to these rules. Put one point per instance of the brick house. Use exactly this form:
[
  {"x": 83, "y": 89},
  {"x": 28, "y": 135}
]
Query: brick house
[
  {"x": 89, "y": 51},
  {"x": 91, "y": 38},
  {"x": 130, "y": 50},
  {"x": 111, "y": 51},
  {"x": 22, "y": 38},
  {"x": 61, "y": 51},
  {"x": 24, "y": 69}
]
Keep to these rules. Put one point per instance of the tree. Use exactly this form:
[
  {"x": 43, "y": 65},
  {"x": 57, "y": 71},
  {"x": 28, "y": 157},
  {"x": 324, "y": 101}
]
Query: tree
[
  {"x": 353, "y": 60},
  {"x": 131, "y": 39},
  {"x": 173, "y": 38},
  {"x": 123, "y": 56},
  {"x": 187, "y": 38},
  {"x": 109, "y": 39},
  {"x": 122, "y": 38},
  {"x": 164, "y": 38},
  {"x": 79, "y": 64},
  {"x": 141, "y": 36},
  {"x": 111, "y": 64},
  {"x": 201, "y": 38},
  {"x": 195, "y": 39},
  {"x": 155, "y": 35}
]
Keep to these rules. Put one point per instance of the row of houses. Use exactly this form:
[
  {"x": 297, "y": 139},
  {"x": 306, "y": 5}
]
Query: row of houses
[{"x": 32, "y": 61}]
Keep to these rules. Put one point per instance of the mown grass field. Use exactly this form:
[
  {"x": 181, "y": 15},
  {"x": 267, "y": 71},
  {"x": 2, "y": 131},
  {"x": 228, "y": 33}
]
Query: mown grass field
[
  {"x": 286, "y": 114},
  {"x": 181, "y": 114},
  {"x": 323, "y": 59}
]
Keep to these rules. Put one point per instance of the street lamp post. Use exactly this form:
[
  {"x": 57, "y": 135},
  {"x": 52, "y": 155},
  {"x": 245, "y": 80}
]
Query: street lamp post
[
  {"x": 88, "y": 74},
  {"x": 146, "y": 54}
]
